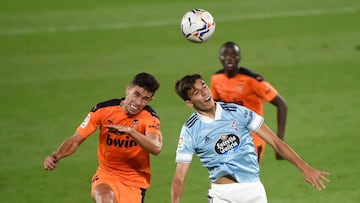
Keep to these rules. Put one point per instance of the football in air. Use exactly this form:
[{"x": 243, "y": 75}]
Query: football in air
[{"x": 197, "y": 25}]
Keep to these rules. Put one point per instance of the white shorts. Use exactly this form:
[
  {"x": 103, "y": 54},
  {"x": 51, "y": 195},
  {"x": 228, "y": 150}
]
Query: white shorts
[{"x": 252, "y": 192}]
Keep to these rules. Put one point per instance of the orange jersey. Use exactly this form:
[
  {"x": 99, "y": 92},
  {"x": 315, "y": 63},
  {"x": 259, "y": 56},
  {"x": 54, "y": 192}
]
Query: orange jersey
[
  {"x": 120, "y": 155},
  {"x": 246, "y": 88}
]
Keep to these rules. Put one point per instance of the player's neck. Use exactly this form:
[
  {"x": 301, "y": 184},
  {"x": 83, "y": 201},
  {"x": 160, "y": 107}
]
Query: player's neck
[
  {"x": 209, "y": 112},
  {"x": 232, "y": 73}
]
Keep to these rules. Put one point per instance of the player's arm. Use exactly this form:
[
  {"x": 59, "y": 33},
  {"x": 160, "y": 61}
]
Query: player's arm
[
  {"x": 68, "y": 147},
  {"x": 281, "y": 107},
  {"x": 311, "y": 175},
  {"x": 177, "y": 185},
  {"x": 151, "y": 142}
]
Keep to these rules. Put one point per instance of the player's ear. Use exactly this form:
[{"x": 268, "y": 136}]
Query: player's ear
[
  {"x": 189, "y": 103},
  {"x": 127, "y": 89}
]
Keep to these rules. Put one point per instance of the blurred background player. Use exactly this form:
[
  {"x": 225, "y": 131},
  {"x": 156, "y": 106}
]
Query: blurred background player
[
  {"x": 219, "y": 134},
  {"x": 129, "y": 133},
  {"x": 239, "y": 85}
]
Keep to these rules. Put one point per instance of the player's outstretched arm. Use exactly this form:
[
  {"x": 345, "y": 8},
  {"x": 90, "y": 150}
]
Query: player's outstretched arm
[
  {"x": 281, "y": 107},
  {"x": 68, "y": 147},
  {"x": 313, "y": 176},
  {"x": 177, "y": 186}
]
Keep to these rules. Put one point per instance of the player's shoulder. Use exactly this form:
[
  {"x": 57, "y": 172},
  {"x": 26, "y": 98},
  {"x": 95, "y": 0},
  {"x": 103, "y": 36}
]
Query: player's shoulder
[
  {"x": 218, "y": 76},
  {"x": 192, "y": 120},
  {"x": 235, "y": 109},
  {"x": 242, "y": 71},
  {"x": 104, "y": 104},
  {"x": 228, "y": 106},
  {"x": 218, "y": 72},
  {"x": 248, "y": 72},
  {"x": 148, "y": 109}
]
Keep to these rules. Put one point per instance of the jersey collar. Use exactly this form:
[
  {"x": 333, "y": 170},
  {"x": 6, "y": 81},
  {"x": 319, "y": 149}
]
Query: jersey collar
[{"x": 207, "y": 119}]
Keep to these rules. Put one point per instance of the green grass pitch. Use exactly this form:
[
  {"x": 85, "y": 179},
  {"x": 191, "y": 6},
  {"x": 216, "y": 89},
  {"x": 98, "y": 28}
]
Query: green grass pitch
[{"x": 58, "y": 59}]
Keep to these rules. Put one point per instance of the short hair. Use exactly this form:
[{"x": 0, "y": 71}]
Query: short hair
[
  {"x": 146, "y": 81},
  {"x": 229, "y": 44},
  {"x": 185, "y": 84}
]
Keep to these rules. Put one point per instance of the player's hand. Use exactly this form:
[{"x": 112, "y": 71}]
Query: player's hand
[
  {"x": 50, "y": 162},
  {"x": 118, "y": 129},
  {"x": 316, "y": 177},
  {"x": 279, "y": 157}
]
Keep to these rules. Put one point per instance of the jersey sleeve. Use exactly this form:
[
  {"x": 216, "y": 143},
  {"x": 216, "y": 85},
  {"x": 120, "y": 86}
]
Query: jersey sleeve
[
  {"x": 185, "y": 150},
  {"x": 88, "y": 126},
  {"x": 265, "y": 90},
  {"x": 152, "y": 125},
  {"x": 252, "y": 119}
]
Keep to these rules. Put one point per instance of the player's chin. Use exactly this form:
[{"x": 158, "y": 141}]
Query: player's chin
[
  {"x": 134, "y": 109},
  {"x": 208, "y": 104},
  {"x": 133, "y": 112},
  {"x": 230, "y": 66}
]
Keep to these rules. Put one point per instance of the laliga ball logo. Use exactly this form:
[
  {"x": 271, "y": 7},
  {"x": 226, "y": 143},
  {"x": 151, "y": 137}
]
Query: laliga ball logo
[{"x": 197, "y": 25}]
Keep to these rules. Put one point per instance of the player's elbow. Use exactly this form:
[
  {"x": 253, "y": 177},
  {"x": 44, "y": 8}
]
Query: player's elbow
[
  {"x": 157, "y": 150},
  {"x": 279, "y": 102}
]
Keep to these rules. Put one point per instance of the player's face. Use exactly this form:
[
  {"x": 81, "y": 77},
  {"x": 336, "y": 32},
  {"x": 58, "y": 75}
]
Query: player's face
[
  {"x": 200, "y": 97},
  {"x": 136, "y": 99},
  {"x": 230, "y": 58}
]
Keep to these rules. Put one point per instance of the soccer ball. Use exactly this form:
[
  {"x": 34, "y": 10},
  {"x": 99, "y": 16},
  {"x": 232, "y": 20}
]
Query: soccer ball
[{"x": 197, "y": 25}]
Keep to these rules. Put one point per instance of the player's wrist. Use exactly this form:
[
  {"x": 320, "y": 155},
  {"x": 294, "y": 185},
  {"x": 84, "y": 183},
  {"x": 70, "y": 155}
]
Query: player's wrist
[
  {"x": 132, "y": 131},
  {"x": 55, "y": 156}
]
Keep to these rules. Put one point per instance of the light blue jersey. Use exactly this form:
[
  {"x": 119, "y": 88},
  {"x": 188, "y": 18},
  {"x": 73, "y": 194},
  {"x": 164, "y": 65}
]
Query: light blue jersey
[{"x": 224, "y": 144}]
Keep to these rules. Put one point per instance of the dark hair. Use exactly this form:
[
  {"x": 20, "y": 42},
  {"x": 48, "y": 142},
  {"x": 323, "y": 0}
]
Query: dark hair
[
  {"x": 146, "y": 81},
  {"x": 229, "y": 44},
  {"x": 185, "y": 84}
]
